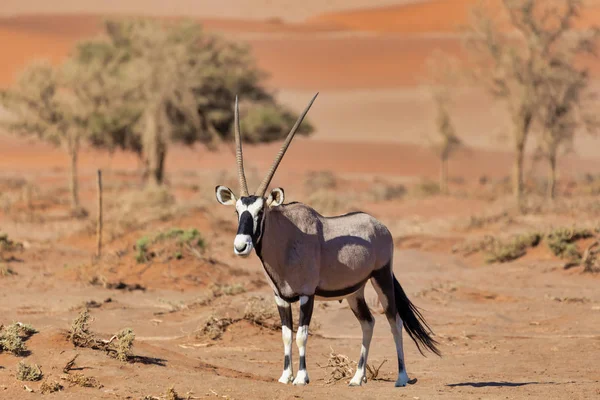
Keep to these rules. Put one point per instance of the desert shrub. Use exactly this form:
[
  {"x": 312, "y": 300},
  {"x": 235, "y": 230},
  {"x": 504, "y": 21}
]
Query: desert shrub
[
  {"x": 511, "y": 249},
  {"x": 562, "y": 242},
  {"x": 383, "y": 191},
  {"x": 215, "y": 327},
  {"x": 426, "y": 188},
  {"x": 317, "y": 180},
  {"x": 124, "y": 344},
  {"x": 219, "y": 290},
  {"x": 48, "y": 387},
  {"x": 184, "y": 238},
  {"x": 339, "y": 367},
  {"x": 13, "y": 337},
  {"x": 27, "y": 372},
  {"x": 81, "y": 380},
  {"x": 119, "y": 346},
  {"x": 80, "y": 334}
]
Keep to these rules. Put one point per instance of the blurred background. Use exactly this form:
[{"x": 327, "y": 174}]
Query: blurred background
[{"x": 470, "y": 128}]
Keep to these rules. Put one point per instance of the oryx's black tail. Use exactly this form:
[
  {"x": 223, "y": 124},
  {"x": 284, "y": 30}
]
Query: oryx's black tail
[{"x": 414, "y": 323}]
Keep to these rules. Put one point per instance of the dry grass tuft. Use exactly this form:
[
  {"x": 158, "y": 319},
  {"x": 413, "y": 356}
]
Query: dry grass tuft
[
  {"x": 219, "y": 290},
  {"x": 27, "y": 372},
  {"x": 80, "y": 334},
  {"x": 48, "y": 387},
  {"x": 338, "y": 367},
  {"x": 81, "y": 380},
  {"x": 215, "y": 327},
  {"x": 123, "y": 344},
  {"x": 13, "y": 337},
  {"x": 373, "y": 372},
  {"x": 119, "y": 346}
]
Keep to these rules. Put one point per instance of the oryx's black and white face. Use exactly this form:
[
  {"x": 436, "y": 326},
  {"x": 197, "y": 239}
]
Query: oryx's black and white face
[{"x": 251, "y": 212}]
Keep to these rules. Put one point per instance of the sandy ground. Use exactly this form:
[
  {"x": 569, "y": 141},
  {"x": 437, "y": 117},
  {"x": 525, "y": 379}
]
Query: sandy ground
[{"x": 526, "y": 328}]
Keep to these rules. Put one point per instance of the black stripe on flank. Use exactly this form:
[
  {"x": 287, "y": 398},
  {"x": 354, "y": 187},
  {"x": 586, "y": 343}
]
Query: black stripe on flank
[{"x": 340, "y": 292}]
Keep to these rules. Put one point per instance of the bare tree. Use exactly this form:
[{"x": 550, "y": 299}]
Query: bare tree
[
  {"x": 560, "y": 116},
  {"x": 513, "y": 63},
  {"x": 175, "y": 83},
  {"x": 442, "y": 81},
  {"x": 42, "y": 104}
]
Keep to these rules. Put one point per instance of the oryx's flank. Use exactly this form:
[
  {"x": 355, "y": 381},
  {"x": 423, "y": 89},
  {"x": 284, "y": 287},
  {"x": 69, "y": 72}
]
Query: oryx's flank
[{"x": 306, "y": 256}]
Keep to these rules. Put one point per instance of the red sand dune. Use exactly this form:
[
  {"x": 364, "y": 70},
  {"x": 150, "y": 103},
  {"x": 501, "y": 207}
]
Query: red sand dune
[{"x": 426, "y": 17}]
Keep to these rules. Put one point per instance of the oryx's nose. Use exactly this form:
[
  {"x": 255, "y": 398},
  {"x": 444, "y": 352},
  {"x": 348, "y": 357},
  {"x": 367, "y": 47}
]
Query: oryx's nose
[{"x": 240, "y": 247}]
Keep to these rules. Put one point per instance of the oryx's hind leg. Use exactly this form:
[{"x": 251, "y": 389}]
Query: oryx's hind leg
[
  {"x": 383, "y": 282},
  {"x": 285, "y": 313},
  {"x": 359, "y": 307},
  {"x": 306, "y": 310}
]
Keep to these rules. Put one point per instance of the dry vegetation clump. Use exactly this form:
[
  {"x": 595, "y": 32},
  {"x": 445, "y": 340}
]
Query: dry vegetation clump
[
  {"x": 183, "y": 239},
  {"x": 6, "y": 244},
  {"x": 48, "y": 387},
  {"x": 119, "y": 346},
  {"x": 426, "y": 188},
  {"x": 219, "y": 290},
  {"x": 27, "y": 372},
  {"x": 170, "y": 394},
  {"x": 562, "y": 242},
  {"x": 215, "y": 327},
  {"x": 511, "y": 249},
  {"x": 385, "y": 191},
  {"x": 13, "y": 337},
  {"x": 339, "y": 367},
  {"x": 78, "y": 379}
]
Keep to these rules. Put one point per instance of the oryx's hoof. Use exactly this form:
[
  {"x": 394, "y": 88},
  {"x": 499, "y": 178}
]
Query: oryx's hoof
[
  {"x": 301, "y": 378},
  {"x": 286, "y": 377},
  {"x": 402, "y": 379},
  {"x": 358, "y": 379}
]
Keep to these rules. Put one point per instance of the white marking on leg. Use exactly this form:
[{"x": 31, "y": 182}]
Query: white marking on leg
[
  {"x": 280, "y": 302},
  {"x": 397, "y": 331},
  {"x": 288, "y": 373},
  {"x": 361, "y": 370},
  {"x": 301, "y": 338}
]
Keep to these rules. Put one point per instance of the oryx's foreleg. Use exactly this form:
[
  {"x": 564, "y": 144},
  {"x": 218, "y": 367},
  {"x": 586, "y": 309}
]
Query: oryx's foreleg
[
  {"x": 359, "y": 307},
  {"x": 306, "y": 310},
  {"x": 285, "y": 313},
  {"x": 383, "y": 282}
]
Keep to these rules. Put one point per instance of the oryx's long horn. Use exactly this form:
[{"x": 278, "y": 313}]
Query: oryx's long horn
[
  {"x": 238, "y": 151},
  {"x": 265, "y": 183}
]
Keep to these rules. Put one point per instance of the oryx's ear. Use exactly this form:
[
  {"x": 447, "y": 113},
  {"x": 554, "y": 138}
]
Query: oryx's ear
[
  {"x": 225, "y": 196},
  {"x": 275, "y": 197}
]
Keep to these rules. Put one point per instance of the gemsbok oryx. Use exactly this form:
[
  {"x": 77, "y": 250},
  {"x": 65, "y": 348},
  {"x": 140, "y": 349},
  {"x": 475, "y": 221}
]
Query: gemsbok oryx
[{"x": 307, "y": 256}]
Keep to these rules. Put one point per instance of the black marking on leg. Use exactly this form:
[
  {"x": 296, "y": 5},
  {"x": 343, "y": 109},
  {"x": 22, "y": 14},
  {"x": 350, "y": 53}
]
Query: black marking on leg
[
  {"x": 362, "y": 311},
  {"x": 400, "y": 365},
  {"x": 302, "y": 365},
  {"x": 361, "y": 362},
  {"x": 286, "y": 362},
  {"x": 306, "y": 311},
  {"x": 341, "y": 292},
  {"x": 285, "y": 314},
  {"x": 384, "y": 279}
]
